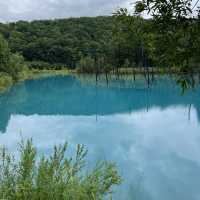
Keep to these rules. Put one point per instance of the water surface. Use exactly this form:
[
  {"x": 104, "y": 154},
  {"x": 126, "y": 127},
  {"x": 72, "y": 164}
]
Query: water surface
[{"x": 153, "y": 134}]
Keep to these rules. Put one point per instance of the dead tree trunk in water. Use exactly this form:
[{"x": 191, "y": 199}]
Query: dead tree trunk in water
[
  {"x": 96, "y": 76},
  {"x": 133, "y": 71},
  {"x": 146, "y": 67},
  {"x": 148, "y": 78},
  {"x": 199, "y": 76},
  {"x": 107, "y": 77},
  {"x": 152, "y": 75},
  {"x": 96, "y": 66}
]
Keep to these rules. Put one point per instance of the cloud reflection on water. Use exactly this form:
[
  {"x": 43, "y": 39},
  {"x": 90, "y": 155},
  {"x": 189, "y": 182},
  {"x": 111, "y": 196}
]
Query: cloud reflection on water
[{"x": 159, "y": 148}]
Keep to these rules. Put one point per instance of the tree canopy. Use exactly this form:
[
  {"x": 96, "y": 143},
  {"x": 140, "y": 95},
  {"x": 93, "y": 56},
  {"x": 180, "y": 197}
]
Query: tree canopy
[{"x": 169, "y": 39}]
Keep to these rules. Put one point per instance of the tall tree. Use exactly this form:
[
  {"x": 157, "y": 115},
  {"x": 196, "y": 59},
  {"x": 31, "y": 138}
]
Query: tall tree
[{"x": 4, "y": 54}]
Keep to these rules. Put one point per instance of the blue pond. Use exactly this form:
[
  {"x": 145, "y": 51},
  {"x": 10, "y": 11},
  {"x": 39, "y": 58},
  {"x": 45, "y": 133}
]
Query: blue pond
[{"x": 151, "y": 133}]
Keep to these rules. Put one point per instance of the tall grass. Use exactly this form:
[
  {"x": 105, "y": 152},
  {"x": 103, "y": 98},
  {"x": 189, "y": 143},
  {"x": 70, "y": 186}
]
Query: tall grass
[{"x": 56, "y": 177}]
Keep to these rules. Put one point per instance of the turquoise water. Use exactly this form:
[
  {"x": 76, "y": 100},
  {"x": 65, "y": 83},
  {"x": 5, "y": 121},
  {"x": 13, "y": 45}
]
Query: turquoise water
[{"x": 153, "y": 134}]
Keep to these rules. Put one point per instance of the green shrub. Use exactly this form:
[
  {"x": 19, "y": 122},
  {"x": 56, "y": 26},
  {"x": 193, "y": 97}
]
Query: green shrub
[
  {"x": 16, "y": 66},
  {"x": 11, "y": 64},
  {"x": 5, "y": 81},
  {"x": 54, "y": 178},
  {"x": 126, "y": 63},
  {"x": 4, "y": 54},
  {"x": 87, "y": 65}
]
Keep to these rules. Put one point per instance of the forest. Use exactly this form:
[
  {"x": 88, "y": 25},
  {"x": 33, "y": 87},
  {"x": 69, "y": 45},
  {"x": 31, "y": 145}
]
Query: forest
[
  {"x": 62, "y": 42},
  {"x": 116, "y": 41},
  {"x": 170, "y": 39}
]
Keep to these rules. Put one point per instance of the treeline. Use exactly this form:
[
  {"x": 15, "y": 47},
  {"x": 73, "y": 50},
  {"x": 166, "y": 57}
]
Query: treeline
[
  {"x": 60, "y": 43},
  {"x": 96, "y": 44},
  {"x": 86, "y": 43}
]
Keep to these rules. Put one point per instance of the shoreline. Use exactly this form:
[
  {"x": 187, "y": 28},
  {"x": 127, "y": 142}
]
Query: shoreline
[{"x": 6, "y": 81}]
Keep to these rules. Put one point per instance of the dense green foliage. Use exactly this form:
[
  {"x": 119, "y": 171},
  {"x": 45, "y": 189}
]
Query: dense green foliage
[
  {"x": 4, "y": 54},
  {"x": 12, "y": 65},
  {"x": 61, "y": 42},
  {"x": 95, "y": 44},
  {"x": 54, "y": 178},
  {"x": 5, "y": 81},
  {"x": 171, "y": 37}
]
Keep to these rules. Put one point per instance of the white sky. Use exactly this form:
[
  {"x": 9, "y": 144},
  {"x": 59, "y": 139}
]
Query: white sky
[{"x": 12, "y": 10}]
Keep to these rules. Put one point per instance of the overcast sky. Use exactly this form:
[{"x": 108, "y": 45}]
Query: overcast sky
[{"x": 12, "y": 10}]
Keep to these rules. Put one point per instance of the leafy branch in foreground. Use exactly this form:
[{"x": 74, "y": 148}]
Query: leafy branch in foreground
[{"x": 55, "y": 177}]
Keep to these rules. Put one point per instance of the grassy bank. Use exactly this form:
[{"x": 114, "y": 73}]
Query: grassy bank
[
  {"x": 36, "y": 73},
  {"x": 143, "y": 70},
  {"x": 7, "y": 81}
]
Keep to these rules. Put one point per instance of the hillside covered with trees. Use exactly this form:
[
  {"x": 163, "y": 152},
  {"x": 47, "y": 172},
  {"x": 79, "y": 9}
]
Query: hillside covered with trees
[
  {"x": 122, "y": 40},
  {"x": 61, "y": 42},
  {"x": 169, "y": 39}
]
